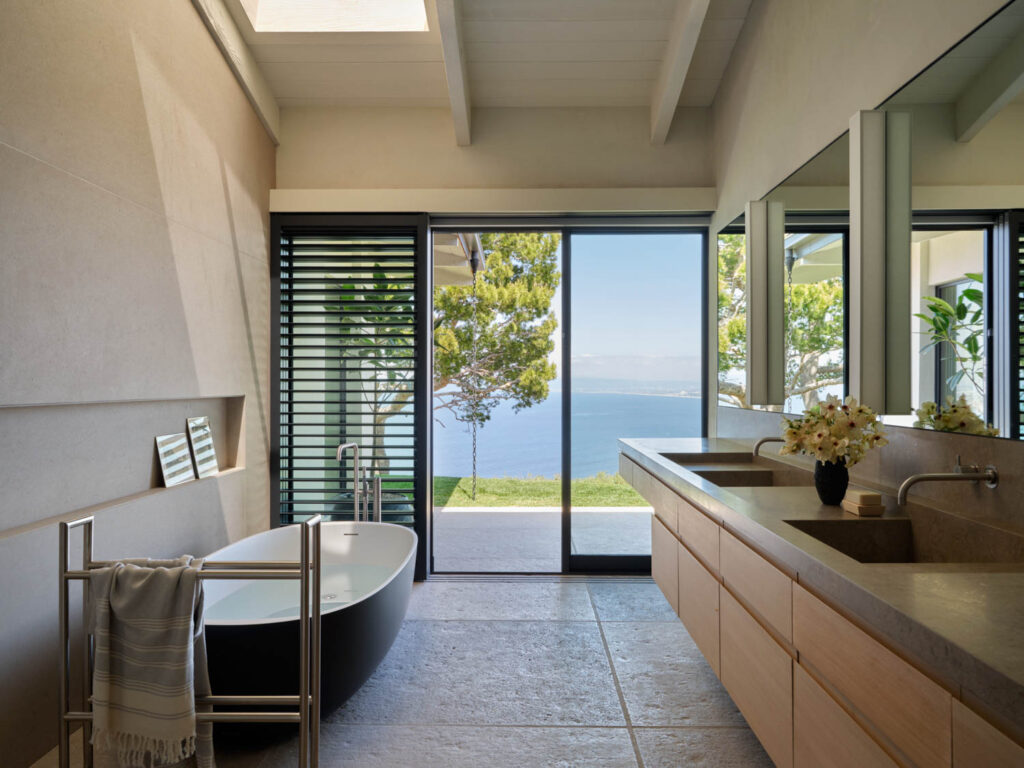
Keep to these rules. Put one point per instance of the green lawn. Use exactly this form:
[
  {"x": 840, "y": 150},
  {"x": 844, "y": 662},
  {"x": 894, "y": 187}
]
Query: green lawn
[{"x": 602, "y": 490}]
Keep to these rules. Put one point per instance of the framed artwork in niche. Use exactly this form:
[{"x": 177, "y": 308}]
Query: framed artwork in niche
[
  {"x": 201, "y": 437},
  {"x": 175, "y": 459}
]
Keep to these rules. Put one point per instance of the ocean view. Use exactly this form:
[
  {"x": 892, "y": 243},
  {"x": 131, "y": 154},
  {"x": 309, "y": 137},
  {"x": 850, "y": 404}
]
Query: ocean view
[{"x": 529, "y": 442}]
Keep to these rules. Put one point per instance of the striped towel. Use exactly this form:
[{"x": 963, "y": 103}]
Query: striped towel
[{"x": 147, "y": 618}]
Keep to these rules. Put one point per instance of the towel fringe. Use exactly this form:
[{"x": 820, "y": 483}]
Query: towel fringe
[{"x": 137, "y": 751}]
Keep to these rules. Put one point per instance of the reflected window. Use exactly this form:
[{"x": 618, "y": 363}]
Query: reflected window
[
  {"x": 732, "y": 321},
  {"x": 948, "y": 293},
  {"x": 815, "y": 318}
]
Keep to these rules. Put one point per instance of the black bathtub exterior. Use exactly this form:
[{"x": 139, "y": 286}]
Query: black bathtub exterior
[{"x": 263, "y": 659}]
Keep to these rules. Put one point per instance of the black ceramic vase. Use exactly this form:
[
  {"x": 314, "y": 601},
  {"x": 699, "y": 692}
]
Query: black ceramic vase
[{"x": 831, "y": 480}]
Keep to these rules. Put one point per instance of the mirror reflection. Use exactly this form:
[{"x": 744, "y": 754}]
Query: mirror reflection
[{"x": 967, "y": 256}]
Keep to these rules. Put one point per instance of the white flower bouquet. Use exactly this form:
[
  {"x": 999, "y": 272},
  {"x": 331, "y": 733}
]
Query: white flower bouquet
[
  {"x": 955, "y": 416},
  {"x": 834, "y": 432}
]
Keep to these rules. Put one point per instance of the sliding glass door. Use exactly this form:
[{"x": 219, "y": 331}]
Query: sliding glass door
[
  {"x": 634, "y": 354},
  {"x": 497, "y": 403}
]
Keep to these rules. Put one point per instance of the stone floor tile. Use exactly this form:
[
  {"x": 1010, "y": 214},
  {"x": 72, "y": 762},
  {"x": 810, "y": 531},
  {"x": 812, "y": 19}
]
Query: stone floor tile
[
  {"x": 374, "y": 746},
  {"x": 489, "y": 673},
  {"x": 664, "y": 678},
  {"x": 632, "y": 600},
  {"x": 701, "y": 748},
  {"x": 491, "y": 600}
]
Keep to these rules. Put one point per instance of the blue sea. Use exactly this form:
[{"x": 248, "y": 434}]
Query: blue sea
[{"x": 529, "y": 442}]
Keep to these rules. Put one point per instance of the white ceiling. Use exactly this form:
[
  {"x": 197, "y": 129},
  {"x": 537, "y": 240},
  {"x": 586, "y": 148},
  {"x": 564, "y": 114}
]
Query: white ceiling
[{"x": 516, "y": 53}]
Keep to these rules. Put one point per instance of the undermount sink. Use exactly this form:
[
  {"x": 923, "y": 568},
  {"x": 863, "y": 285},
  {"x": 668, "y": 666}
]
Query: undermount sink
[
  {"x": 740, "y": 471},
  {"x": 927, "y": 536}
]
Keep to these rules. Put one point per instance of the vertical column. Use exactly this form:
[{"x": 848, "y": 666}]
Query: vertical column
[
  {"x": 879, "y": 279},
  {"x": 766, "y": 354}
]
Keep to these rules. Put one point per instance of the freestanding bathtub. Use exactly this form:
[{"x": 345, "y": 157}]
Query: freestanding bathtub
[{"x": 252, "y": 627}]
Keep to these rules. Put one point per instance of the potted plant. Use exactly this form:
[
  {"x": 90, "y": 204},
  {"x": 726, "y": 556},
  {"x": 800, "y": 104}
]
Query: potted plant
[{"x": 837, "y": 434}]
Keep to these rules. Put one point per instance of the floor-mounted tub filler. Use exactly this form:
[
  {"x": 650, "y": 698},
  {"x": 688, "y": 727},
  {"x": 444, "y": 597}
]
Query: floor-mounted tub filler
[{"x": 252, "y": 627}]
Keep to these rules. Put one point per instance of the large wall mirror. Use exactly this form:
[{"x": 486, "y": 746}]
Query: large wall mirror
[{"x": 967, "y": 248}]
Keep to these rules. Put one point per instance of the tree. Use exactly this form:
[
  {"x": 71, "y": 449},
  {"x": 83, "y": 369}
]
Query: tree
[
  {"x": 732, "y": 318},
  {"x": 814, "y": 330},
  {"x": 493, "y": 339},
  {"x": 814, "y": 338}
]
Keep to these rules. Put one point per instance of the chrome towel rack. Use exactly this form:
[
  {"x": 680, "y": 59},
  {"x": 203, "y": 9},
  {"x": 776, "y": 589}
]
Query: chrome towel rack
[{"x": 307, "y": 703}]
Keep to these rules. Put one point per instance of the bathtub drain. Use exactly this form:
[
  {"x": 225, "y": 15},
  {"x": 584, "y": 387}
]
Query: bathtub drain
[{"x": 327, "y": 596}]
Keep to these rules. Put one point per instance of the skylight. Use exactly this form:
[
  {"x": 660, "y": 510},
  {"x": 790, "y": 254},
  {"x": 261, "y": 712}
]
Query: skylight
[{"x": 337, "y": 15}]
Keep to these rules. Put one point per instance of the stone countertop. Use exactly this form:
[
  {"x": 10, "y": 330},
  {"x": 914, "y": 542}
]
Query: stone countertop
[{"x": 963, "y": 623}]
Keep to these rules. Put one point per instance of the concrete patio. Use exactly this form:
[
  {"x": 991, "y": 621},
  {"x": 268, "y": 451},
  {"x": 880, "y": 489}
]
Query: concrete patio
[{"x": 528, "y": 539}]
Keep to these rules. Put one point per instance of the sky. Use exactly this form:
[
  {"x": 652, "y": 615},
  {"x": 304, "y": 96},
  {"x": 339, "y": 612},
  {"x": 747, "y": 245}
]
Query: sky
[{"x": 636, "y": 308}]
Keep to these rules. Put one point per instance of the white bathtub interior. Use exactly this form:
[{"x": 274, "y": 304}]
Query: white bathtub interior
[{"x": 358, "y": 560}]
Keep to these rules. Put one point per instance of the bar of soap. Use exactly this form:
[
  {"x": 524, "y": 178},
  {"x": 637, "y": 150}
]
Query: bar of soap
[
  {"x": 863, "y": 498},
  {"x": 863, "y": 510}
]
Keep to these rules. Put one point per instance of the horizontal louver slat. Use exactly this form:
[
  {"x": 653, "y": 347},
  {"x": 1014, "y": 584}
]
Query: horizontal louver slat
[{"x": 348, "y": 353}]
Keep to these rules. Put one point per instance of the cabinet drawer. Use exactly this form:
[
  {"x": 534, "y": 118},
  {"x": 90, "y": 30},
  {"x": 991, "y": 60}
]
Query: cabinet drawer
[
  {"x": 666, "y": 507},
  {"x": 911, "y": 710},
  {"x": 824, "y": 735},
  {"x": 758, "y": 674},
  {"x": 976, "y": 744},
  {"x": 698, "y": 606},
  {"x": 663, "y": 562},
  {"x": 763, "y": 586},
  {"x": 699, "y": 532}
]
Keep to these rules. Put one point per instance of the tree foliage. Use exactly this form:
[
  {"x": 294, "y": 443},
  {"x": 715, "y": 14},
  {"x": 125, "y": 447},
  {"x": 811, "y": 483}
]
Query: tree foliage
[
  {"x": 814, "y": 330},
  {"x": 732, "y": 318},
  {"x": 959, "y": 330},
  {"x": 492, "y": 340}
]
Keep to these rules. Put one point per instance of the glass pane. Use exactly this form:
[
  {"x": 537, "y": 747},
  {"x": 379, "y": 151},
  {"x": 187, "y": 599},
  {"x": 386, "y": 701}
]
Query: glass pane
[
  {"x": 950, "y": 337},
  {"x": 732, "y": 321},
  {"x": 814, "y": 317},
  {"x": 636, "y": 372},
  {"x": 497, "y": 402}
]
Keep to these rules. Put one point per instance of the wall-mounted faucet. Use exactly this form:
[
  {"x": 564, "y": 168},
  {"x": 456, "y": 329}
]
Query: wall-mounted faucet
[
  {"x": 971, "y": 473},
  {"x": 763, "y": 440}
]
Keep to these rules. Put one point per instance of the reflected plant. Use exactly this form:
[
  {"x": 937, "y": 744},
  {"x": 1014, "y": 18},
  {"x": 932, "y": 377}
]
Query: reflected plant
[
  {"x": 955, "y": 416},
  {"x": 961, "y": 327}
]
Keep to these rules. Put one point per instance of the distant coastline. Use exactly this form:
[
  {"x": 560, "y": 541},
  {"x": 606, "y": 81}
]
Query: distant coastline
[{"x": 688, "y": 395}]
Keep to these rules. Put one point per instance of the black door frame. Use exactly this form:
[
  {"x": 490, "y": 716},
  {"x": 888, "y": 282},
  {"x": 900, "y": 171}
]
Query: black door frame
[
  {"x": 424, "y": 343},
  {"x": 567, "y": 227}
]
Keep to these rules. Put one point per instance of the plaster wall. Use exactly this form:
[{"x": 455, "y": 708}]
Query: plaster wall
[
  {"x": 382, "y": 148},
  {"x": 801, "y": 68},
  {"x": 134, "y": 291}
]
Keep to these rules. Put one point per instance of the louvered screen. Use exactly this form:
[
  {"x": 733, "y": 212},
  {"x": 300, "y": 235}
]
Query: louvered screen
[
  {"x": 1017, "y": 256},
  {"x": 347, "y": 370}
]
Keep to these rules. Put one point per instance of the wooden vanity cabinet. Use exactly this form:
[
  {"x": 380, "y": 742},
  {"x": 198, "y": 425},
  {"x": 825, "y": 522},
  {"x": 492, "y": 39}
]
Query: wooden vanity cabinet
[
  {"x": 699, "y": 532},
  {"x": 763, "y": 587},
  {"x": 664, "y": 548},
  {"x": 816, "y": 689},
  {"x": 911, "y": 710},
  {"x": 976, "y": 744},
  {"x": 758, "y": 674},
  {"x": 698, "y": 605},
  {"x": 824, "y": 734}
]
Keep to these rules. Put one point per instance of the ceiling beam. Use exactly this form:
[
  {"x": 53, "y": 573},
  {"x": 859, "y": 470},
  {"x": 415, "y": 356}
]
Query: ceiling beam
[
  {"x": 999, "y": 83},
  {"x": 239, "y": 58},
  {"x": 682, "y": 42},
  {"x": 449, "y": 26}
]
